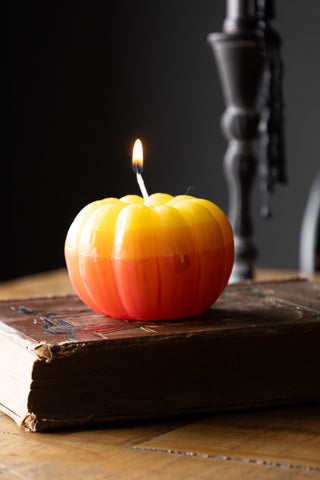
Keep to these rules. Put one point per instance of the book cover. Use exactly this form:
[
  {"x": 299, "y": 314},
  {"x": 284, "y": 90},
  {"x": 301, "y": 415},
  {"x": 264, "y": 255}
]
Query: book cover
[{"x": 63, "y": 365}]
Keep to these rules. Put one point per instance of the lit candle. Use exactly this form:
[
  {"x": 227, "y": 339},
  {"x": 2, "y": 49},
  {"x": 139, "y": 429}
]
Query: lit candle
[
  {"x": 137, "y": 163},
  {"x": 154, "y": 257}
]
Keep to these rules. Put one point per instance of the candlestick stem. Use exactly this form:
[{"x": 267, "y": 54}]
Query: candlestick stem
[
  {"x": 143, "y": 189},
  {"x": 240, "y": 60}
]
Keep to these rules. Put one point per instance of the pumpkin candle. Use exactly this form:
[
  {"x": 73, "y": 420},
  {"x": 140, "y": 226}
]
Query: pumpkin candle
[{"x": 157, "y": 258}]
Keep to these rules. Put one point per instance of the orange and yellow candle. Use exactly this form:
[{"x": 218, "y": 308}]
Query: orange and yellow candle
[{"x": 154, "y": 257}]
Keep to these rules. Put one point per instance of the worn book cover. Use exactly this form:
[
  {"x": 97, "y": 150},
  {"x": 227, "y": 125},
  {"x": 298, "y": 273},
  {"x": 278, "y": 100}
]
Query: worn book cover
[{"x": 63, "y": 365}]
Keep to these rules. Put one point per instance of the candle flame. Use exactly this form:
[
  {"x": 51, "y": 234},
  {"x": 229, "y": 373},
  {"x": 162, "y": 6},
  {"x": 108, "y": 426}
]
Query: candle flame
[
  {"x": 137, "y": 156},
  {"x": 137, "y": 164}
]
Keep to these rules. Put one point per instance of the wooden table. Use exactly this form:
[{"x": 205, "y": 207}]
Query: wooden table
[{"x": 274, "y": 444}]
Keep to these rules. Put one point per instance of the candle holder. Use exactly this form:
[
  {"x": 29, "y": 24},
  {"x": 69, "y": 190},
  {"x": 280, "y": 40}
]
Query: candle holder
[{"x": 250, "y": 70}]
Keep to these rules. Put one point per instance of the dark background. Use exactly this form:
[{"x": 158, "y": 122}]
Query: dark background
[{"x": 84, "y": 79}]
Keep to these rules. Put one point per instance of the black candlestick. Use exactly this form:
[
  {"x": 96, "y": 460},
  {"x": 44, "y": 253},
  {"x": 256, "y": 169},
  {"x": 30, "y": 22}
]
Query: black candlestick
[
  {"x": 250, "y": 74},
  {"x": 239, "y": 56}
]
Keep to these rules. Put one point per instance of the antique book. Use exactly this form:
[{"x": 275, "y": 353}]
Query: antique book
[{"x": 63, "y": 365}]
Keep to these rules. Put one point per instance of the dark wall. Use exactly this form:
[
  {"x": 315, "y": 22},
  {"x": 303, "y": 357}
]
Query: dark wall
[{"x": 86, "y": 78}]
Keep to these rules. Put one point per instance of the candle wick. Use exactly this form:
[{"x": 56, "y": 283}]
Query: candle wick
[{"x": 143, "y": 189}]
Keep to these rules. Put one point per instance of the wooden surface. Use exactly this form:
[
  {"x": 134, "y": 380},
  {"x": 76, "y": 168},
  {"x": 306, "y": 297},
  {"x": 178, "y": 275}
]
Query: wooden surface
[{"x": 274, "y": 444}]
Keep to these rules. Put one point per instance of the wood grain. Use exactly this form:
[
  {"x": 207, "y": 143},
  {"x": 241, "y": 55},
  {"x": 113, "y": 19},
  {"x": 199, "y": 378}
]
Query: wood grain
[
  {"x": 135, "y": 452},
  {"x": 283, "y": 438}
]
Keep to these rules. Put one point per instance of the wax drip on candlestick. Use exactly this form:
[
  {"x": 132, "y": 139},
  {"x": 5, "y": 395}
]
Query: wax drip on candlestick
[{"x": 137, "y": 165}]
